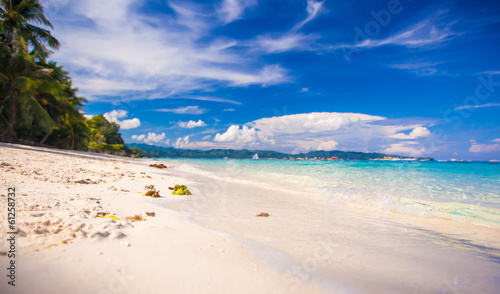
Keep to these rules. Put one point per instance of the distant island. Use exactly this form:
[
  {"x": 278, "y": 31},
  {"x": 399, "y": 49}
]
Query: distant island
[{"x": 170, "y": 152}]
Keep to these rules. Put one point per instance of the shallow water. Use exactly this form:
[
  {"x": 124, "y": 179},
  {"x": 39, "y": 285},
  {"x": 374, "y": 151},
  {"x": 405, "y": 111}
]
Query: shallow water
[
  {"x": 377, "y": 183},
  {"x": 354, "y": 248}
]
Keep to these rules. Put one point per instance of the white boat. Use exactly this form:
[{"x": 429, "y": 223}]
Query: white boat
[{"x": 256, "y": 156}]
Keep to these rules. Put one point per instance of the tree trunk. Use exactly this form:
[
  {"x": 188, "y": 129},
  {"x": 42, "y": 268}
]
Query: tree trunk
[{"x": 46, "y": 135}]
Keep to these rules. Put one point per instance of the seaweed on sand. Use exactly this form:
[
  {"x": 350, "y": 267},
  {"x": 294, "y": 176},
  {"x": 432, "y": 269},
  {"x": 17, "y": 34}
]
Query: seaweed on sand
[
  {"x": 180, "y": 190},
  {"x": 151, "y": 191},
  {"x": 135, "y": 218},
  {"x": 161, "y": 165}
]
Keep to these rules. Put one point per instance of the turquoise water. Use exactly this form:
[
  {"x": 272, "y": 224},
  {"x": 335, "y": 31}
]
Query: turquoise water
[{"x": 476, "y": 183}]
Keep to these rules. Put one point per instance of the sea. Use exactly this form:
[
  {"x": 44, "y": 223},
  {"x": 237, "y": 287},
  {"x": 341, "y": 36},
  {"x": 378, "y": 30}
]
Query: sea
[
  {"x": 389, "y": 226},
  {"x": 461, "y": 188}
]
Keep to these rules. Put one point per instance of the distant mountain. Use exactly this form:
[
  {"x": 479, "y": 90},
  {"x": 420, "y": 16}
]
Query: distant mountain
[{"x": 244, "y": 153}]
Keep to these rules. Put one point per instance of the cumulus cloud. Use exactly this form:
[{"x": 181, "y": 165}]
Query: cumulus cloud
[
  {"x": 138, "y": 137},
  {"x": 327, "y": 131},
  {"x": 243, "y": 136},
  {"x": 116, "y": 115},
  {"x": 150, "y": 138},
  {"x": 234, "y": 133},
  {"x": 181, "y": 142},
  {"x": 313, "y": 122},
  {"x": 406, "y": 149},
  {"x": 184, "y": 110},
  {"x": 485, "y": 148},
  {"x": 328, "y": 145},
  {"x": 417, "y": 132},
  {"x": 191, "y": 124}
]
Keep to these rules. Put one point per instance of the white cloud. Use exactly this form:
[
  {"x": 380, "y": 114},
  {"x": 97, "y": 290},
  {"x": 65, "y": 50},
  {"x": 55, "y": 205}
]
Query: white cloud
[
  {"x": 326, "y": 131},
  {"x": 313, "y": 8},
  {"x": 478, "y": 106},
  {"x": 328, "y": 145},
  {"x": 313, "y": 122},
  {"x": 138, "y": 137},
  {"x": 406, "y": 149},
  {"x": 234, "y": 133},
  {"x": 130, "y": 124},
  {"x": 243, "y": 136},
  {"x": 153, "y": 137},
  {"x": 88, "y": 116},
  {"x": 231, "y": 10},
  {"x": 484, "y": 148},
  {"x": 417, "y": 132},
  {"x": 229, "y": 109},
  {"x": 283, "y": 43},
  {"x": 111, "y": 59},
  {"x": 181, "y": 142},
  {"x": 184, "y": 110},
  {"x": 150, "y": 138},
  {"x": 207, "y": 137},
  {"x": 304, "y": 90},
  {"x": 424, "y": 33},
  {"x": 420, "y": 68},
  {"x": 191, "y": 124},
  {"x": 116, "y": 115},
  {"x": 292, "y": 39}
]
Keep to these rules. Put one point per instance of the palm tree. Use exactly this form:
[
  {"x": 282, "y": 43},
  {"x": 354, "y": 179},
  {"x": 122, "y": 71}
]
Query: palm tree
[
  {"x": 19, "y": 18},
  {"x": 20, "y": 81}
]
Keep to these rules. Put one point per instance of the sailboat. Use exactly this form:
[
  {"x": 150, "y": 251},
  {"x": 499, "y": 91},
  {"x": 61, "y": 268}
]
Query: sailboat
[{"x": 256, "y": 156}]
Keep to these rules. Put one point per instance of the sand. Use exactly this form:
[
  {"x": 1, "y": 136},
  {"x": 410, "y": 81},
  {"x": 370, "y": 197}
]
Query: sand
[{"x": 212, "y": 242}]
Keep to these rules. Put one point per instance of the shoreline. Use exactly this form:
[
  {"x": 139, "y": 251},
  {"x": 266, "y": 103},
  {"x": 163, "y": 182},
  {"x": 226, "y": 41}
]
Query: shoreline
[{"x": 212, "y": 241}]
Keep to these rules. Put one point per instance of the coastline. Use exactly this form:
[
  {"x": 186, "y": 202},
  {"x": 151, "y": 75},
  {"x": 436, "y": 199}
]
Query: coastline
[{"x": 211, "y": 242}]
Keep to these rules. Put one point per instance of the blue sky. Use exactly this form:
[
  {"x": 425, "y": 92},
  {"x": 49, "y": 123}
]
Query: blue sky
[{"x": 418, "y": 78}]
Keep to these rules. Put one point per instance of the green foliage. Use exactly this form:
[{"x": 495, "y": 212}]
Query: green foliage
[
  {"x": 38, "y": 101},
  {"x": 110, "y": 148},
  {"x": 170, "y": 152},
  {"x": 100, "y": 126},
  {"x": 17, "y": 21},
  {"x": 134, "y": 152}
]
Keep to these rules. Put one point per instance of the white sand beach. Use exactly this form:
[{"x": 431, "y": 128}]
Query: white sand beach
[{"x": 212, "y": 241}]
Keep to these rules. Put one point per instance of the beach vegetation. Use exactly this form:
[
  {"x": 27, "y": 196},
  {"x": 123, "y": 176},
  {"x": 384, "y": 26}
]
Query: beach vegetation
[{"x": 38, "y": 103}]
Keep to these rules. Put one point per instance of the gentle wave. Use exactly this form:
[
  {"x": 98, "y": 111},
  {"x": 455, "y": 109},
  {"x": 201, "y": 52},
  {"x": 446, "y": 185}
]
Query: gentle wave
[{"x": 467, "y": 191}]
